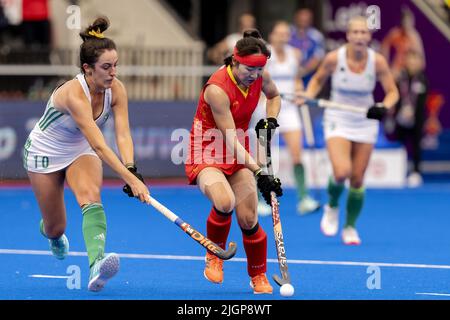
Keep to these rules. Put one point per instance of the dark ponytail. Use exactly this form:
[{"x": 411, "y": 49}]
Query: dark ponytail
[
  {"x": 94, "y": 42},
  {"x": 252, "y": 33},
  {"x": 251, "y": 43}
]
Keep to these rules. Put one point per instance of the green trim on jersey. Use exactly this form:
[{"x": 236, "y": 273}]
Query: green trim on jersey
[
  {"x": 25, "y": 153},
  {"x": 50, "y": 115}
]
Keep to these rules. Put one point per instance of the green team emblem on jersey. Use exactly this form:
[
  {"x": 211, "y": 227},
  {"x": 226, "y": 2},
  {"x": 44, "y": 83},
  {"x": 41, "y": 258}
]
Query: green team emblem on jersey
[{"x": 25, "y": 153}]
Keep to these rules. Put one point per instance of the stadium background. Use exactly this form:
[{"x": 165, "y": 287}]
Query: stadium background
[
  {"x": 164, "y": 72},
  {"x": 162, "y": 49}
]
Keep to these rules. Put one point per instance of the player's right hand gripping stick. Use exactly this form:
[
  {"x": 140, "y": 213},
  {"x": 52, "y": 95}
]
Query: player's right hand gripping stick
[
  {"x": 266, "y": 184},
  {"x": 133, "y": 169}
]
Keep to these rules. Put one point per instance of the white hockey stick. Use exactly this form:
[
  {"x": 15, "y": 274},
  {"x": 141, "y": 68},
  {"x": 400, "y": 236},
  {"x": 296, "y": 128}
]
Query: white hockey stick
[{"x": 322, "y": 103}]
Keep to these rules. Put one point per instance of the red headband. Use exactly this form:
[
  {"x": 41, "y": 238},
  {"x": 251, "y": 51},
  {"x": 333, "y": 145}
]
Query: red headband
[{"x": 252, "y": 60}]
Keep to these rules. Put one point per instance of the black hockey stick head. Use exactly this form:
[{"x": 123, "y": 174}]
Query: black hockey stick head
[
  {"x": 228, "y": 254},
  {"x": 281, "y": 281}
]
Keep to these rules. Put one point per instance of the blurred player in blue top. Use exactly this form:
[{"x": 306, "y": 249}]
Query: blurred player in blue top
[{"x": 309, "y": 40}]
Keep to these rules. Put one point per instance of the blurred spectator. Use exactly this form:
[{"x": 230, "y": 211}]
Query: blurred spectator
[
  {"x": 36, "y": 34},
  {"x": 3, "y": 20},
  {"x": 408, "y": 116},
  {"x": 36, "y": 24},
  {"x": 402, "y": 39},
  {"x": 4, "y": 23},
  {"x": 10, "y": 20},
  {"x": 12, "y": 11},
  {"x": 224, "y": 48},
  {"x": 309, "y": 40},
  {"x": 10, "y": 43}
]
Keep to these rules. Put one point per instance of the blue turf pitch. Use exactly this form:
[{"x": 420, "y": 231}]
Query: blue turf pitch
[{"x": 404, "y": 233}]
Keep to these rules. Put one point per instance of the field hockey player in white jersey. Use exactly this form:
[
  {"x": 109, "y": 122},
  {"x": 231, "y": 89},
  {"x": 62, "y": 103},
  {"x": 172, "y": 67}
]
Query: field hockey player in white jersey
[
  {"x": 67, "y": 145},
  {"x": 284, "y": 67},
  {"x": 350, "y": 136}
]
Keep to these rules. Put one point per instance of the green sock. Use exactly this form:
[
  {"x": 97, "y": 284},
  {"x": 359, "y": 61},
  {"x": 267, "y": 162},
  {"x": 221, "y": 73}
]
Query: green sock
[
  {"x": 94, "y": 230},
  {"x": 355, "y": 202},
  {"x": 299, "y": 174},
  {"x": 334, "y": 192}
]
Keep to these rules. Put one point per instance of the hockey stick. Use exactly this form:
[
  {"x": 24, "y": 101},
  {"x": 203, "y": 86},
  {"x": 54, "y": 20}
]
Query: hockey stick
[
  {"x": 322, "y": 103},
  {"x": 277, "y": 230},
  {"x": 310, "y": 141},
  {"x": 194, "y": 234},
  {"x": 307, "y": 124}
]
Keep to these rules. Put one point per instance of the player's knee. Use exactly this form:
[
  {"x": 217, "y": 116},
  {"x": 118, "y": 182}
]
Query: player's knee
[
  {"x": 224, "y": 203},
  {"x": 247, "y": 221},
  {"x": 356, "y": 181},
  {"x": 88, "y": 194},
  {"x": 341, "y": 174}
]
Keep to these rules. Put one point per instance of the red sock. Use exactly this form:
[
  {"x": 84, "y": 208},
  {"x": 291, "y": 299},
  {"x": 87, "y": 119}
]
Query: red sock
[
  {"x": 218, "y": 227},
  {"x": 256, "y": 249}
]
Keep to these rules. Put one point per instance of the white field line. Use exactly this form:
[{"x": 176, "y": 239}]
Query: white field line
[
  {"x": 434, "y": 294},
  {"x": 202, "y": 258},
  {"x": 47, "y": 276}
]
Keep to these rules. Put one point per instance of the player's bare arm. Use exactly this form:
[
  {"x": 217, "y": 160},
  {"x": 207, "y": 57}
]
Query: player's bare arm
[
  {"x": 81, "y": 112},
  {"x": 121, "y": 123},
  {"x": 270, "y": 90}
]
